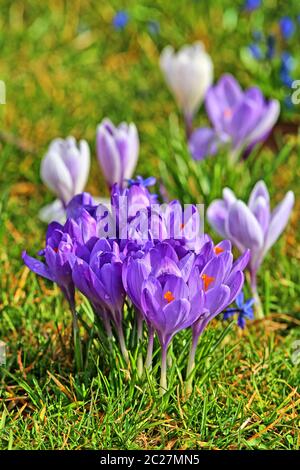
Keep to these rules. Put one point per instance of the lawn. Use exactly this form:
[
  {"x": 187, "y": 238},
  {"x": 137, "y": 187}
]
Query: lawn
[{"x": 65, "y": 68}]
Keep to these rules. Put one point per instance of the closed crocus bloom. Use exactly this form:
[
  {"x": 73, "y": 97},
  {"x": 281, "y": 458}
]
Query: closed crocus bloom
[
  {"x": 65, "y": 170},
  {"x": 240, "y": 120},
  {"x": 189, "y": 74},
  {"x": 251, "y": 226},
  {"x": 117, "y": 151}
]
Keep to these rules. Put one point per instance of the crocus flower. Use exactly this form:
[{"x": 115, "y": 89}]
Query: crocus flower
[
  {"x": 251, "y": 226},
  {"x": 65, "y": 170},
  {"x": 240, "y": 119},
  {"x": 188, "y": 73},
  {"x": 287, "y": 27},
  {"x": 244, "y": 310},
  {"x": 117, "y": 151}
]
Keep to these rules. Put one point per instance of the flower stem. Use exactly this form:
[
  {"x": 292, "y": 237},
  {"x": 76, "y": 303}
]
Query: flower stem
[
  {"x": 258, "y": 306},
  {"x": 124, "y": 350},
  {"x": 188, "y": 121},
  {"x": 77, "y": 342},
  {"x": 139, "y": 340},
  {"x": 148, "y": 362},
  {"x": 108, "y": 329},
  {"x": 191, "y": 365},
  {"x": 163, "y": 370}
]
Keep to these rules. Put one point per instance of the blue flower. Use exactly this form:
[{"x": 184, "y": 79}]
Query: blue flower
[
  {"x": 140, "y": 181},
  {"x": 255, "y": 51},
  {"x": 120, "y": 20},
  {"x": 287, "y": 27},
  {"x": 244, "y": 311},
  {"x": 251, "y": 5}
]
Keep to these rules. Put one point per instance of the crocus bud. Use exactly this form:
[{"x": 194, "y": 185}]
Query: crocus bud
[
  {"x": 65, "y": 168},
  {"x": 189, "y": 73},
  {"x": 117, "y": 150}
]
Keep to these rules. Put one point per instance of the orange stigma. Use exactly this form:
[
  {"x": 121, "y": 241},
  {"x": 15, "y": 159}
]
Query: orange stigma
[
  {"x": 55, "y": 250},
  {"x": 218, "y": 250},
  {"x": 207, "y": 280},
  {"x": 182, "y": 226},
  {"x": 169, "y": 296},
  {"x": 227, "y": 113}
]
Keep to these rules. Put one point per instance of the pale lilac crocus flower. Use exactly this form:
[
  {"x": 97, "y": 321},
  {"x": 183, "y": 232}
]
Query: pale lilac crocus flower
[
  {"x": 240, "y": 119},
  {"x": 64, "y": 170},
  {"x": 117, "y": 151},
  {"x": 251, "y": 226},
  {"x": 189, "y": 74}
]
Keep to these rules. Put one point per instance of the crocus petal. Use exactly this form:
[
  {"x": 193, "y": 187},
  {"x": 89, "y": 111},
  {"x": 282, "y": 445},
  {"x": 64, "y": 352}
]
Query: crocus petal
[
  {"x": 243, "y": 227},
  {"x": 37, "y": 266},
  {"x": 56, "y": 176},
  {"x": 203, "y": 142},
  {"x": 279, "y": 219},
  {"x": 84, "y": 167},
  {"x": 217, "y": 214},
  {"x": 224, "y": 96},
  {"x": 177, "y": 317},
  {"x": 259, "y": 190},
  {"x": 266, "y": 123},
  {"x": 53, "y": 212},
  {"x": 261, "y": 210},
  {"x": 235, "y": 284},
  {"x": 108, "y": 156},
  {"x": 216, "y": 300},
  {"x": 133, "y": 152}
]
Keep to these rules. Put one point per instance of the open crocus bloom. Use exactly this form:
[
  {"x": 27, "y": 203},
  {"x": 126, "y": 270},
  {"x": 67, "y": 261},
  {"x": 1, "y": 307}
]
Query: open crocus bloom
[
  {"x": 189, "y": 73},
  {"x": 240, "y": 119},
  {"x": 251, "y": 226},
  {"x": 117, "y": 151},
  {"x": 65, "y": 170}
]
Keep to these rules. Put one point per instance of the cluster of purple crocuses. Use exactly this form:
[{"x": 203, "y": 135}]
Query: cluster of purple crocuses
[{"x": 172, "y": 282}]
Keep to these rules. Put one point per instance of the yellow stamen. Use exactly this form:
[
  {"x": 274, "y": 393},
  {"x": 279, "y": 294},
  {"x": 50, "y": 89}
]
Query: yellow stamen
[
  {"x": 218, "y": 250},
  {"x": 207, "y": 281},
  {"x": 169, "y": 296}
]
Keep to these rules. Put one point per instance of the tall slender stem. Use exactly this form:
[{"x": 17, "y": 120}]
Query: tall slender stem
[
  {"x": 163, "y": 370},
  {"x": 108, "y": 329},
  {"x": 191, "y": 364},
  {"x": 140, "y": 322},
  {"x": 258, "y": 306},
  {"x": 124, "y": 350},
  {"x": 76, "y": 340},
  {"x": 148, "y": 362},
  {"x": 188, "y": 121}
]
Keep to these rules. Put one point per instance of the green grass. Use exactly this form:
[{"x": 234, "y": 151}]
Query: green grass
[{"x": 65, "y": 68}]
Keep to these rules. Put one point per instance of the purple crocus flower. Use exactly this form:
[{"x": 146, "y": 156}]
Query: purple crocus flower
[
  {"x": 252, "y": 226},
  {"x": 65, "y": 170},
  {"x": 240, "y": 119},
  {"x": 117, "y": 151}
]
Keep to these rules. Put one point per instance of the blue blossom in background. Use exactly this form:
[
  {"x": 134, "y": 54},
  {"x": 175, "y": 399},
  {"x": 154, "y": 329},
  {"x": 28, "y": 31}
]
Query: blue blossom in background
[
  {"x": 140, "y": 181},
  {"x": 251, "y": 5},
  {"x": 256, "y": 51},
  {"x": 287, "y": 27},
  {"x": 244, "y": 310},
  {"x": 120, "y": 20}
]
